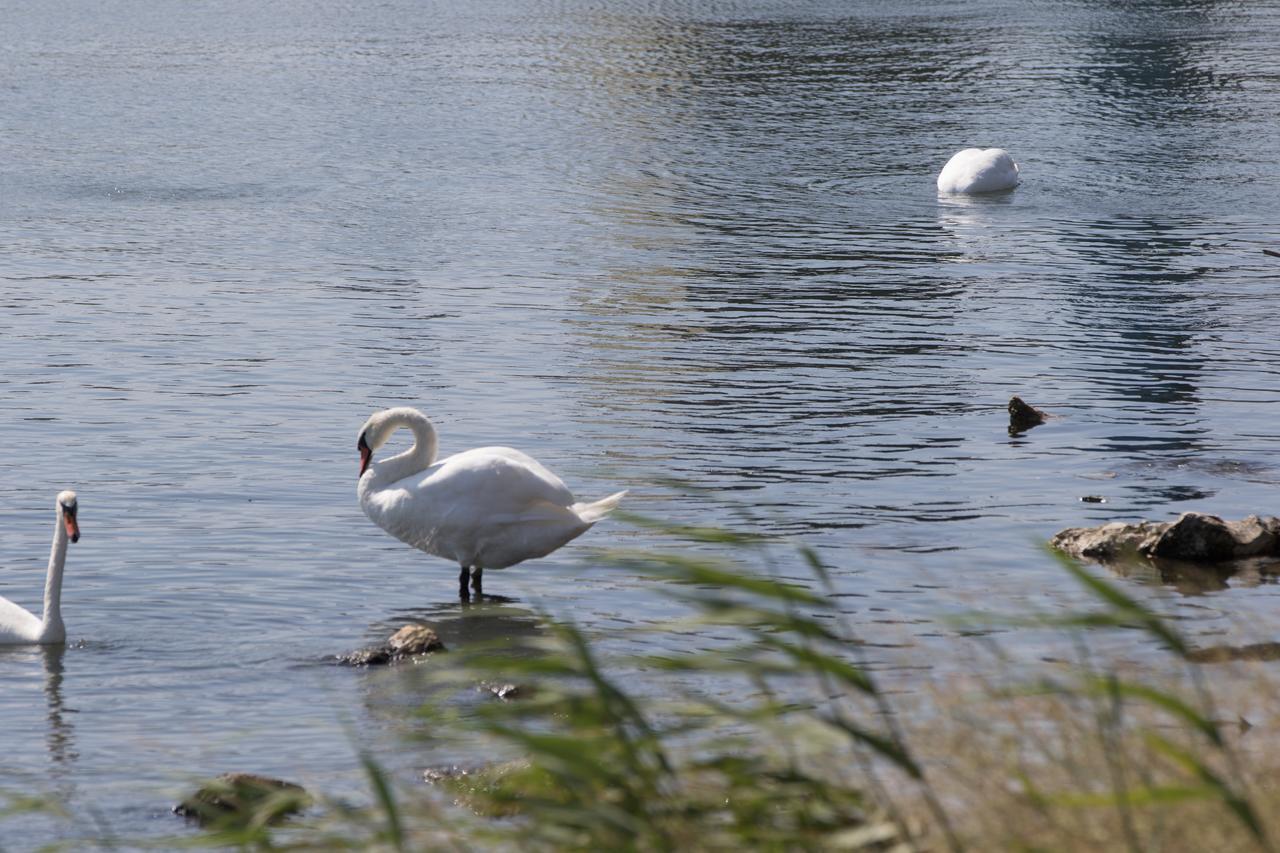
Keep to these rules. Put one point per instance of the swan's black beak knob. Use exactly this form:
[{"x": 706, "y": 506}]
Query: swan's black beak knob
[{"x": 366, "y": 454}]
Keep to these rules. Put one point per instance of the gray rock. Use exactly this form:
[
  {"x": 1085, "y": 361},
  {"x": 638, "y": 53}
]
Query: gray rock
[
  {"x": 1223, "y": 654},
  {"x": 414, "y": 640},
  {"x": 444, "y": 773},
  {"x": 410, "y": 641},
  {"x": 1194, "y": 538},
  {"x": 506, "y": 691},
  {"x": 1023, "y": 417},
  {"x": 234, "y": 799}
]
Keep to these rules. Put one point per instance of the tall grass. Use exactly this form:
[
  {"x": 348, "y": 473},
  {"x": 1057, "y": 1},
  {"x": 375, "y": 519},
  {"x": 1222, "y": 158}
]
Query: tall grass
[{"x": 799, "y": 747}]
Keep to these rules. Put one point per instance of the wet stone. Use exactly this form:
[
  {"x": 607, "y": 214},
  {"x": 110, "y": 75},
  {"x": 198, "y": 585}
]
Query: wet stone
[
  {"x": 1023, "y": 417},
  {"x": 415, "y": 640},
  {"x": 1193, "y": 538},
  {"x": 409, "y": 642},
  {"x": 506, "y": 692},
  {"x": 436, "y": 775},
  {"x": 474, "y": 787},
  {"x": 1223, "y": 654},
  {"x": 233, "y": 799}
]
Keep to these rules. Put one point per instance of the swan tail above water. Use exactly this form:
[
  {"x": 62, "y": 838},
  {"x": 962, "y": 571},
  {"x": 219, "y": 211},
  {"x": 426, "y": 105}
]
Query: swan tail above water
[{"x": 590, "y": 513}]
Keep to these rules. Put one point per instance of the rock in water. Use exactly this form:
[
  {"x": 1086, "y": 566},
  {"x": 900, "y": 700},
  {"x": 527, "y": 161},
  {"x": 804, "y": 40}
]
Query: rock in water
[
  {"x": 1193, "y": 538},
  {"x": 1223, "y": 654},
  {"x": 235, "y": 799},
  {"x": 506, "y": 692},
  {"x": 414, "y": 640},
  {"x": 409, "y": 641},
  {"x": 1023, "y": 417}
]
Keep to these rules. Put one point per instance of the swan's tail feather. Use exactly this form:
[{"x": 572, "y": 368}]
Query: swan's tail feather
[{"x": 593, "y": 512}]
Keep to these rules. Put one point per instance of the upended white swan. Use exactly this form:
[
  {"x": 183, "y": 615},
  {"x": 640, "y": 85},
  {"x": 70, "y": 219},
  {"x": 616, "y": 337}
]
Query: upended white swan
[
  {"x": 486, "y": 508},
  {"x": 17, "y": 625},
  {"x": 978, "y": 170}
]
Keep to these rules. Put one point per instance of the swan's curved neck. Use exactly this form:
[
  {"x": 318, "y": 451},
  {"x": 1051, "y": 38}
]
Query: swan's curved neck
[
  {"x": 52, "y": 623},
  {"x": 416, "y": 458}
]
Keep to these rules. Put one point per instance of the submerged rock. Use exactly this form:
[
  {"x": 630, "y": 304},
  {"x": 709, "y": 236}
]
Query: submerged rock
[
  {"x": 1194, "y": 537},
  {"x": 444, "y": 773},
  {"x": 1023, "y": 417},
  {"x": 1223, "y": 654},
  {"x": 506, "y": 691},
  {"x": 233, "y": 799},
  {"x": 479, "y": 788},
  {"x": 408, "y": 642}
]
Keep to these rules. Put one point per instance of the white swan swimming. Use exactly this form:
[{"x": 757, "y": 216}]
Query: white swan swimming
[
  {"x": 978, "y": 170},
  {"x": 17, "y": 625},
  {"x": 486, "y": 508}
]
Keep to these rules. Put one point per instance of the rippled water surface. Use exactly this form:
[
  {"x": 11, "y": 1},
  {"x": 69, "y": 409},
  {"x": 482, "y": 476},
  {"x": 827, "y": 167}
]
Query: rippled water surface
[{"x": 642, "y": 241}]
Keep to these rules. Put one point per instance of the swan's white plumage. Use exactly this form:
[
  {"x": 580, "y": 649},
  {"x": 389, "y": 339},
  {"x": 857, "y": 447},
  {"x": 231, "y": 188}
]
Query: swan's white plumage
[
  {"x": 17, "y": 625},
  {"x": 486, "y": 508},
  {"x": 978, "y": 170}
]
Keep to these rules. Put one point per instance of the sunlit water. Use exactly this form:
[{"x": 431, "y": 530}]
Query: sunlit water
[{"x": 641, "y": 241}]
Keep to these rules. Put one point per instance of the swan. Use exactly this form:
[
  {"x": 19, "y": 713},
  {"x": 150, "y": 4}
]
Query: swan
[
  {"x": 17, "y": 625},
  {"x": 978, "y": 170},
  {"x": 486, "y": 508}
]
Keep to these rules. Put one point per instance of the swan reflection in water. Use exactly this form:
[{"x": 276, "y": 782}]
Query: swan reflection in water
[
  {"x": 60, "y": 740},
  {"x": 493, "y": 620},
  {"x": 59, "y": 736}
]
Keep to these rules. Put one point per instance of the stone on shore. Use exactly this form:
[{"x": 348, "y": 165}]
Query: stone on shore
[
  {"x": 410, "y": 641},
  {"x": 1194, "y": 538},
  {"x": 235, "y": 799}
]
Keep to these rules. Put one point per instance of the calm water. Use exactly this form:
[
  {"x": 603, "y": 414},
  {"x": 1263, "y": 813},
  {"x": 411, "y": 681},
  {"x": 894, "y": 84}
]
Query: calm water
[{"x": 639, "y": 240}]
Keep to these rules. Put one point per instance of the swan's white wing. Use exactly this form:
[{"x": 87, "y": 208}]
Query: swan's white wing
[
  {"x": 16, "y": 623},
  {"x": 978, "y": 170},
  {"x": 491, "y": 504},
  {"x": 495, "y": 479}
]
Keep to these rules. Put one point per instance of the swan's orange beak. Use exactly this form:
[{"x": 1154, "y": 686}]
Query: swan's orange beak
[
  {"x": 366, "y": 455},
  {"x": 73, "y": 528}
]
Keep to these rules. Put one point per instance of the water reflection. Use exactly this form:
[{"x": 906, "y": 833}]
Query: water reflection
[
  {"x": 1153, "y": 64},
  {"x": 1195, "y": 579},
  {"x": 60, "y": 739},
  {"x": 391, "y": 692},
  {"x": 488, "y": 619},
  {"x": 59, "y": 734}
]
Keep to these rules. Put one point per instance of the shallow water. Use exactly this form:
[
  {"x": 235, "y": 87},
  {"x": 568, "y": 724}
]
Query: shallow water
[{"x": 641, "y": 241}]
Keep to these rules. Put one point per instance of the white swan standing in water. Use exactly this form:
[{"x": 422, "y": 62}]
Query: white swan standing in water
[
  {"x": 17, "y": 625},
  {"x": 486, "y": 508},
  {"x": 978, "y": 170}
]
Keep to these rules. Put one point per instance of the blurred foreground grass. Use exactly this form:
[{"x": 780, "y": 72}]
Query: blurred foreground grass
[{"x": 806, "y": 751}]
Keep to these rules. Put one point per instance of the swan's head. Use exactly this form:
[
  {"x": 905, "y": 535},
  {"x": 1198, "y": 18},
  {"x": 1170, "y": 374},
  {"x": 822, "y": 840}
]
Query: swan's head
[
  {"x": 374, "y": 434},
  {"x": 380, "y": 425},
  {"x": 67, "y": 508}
]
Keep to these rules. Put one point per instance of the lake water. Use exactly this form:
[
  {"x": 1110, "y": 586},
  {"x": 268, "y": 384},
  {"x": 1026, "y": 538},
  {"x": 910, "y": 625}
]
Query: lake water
[{"x": 641, "y": 241}]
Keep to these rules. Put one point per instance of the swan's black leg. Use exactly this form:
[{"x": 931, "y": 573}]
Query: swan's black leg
[
  {"x": 475, "y": 581},
  {"x": 463, "y": 592}
]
